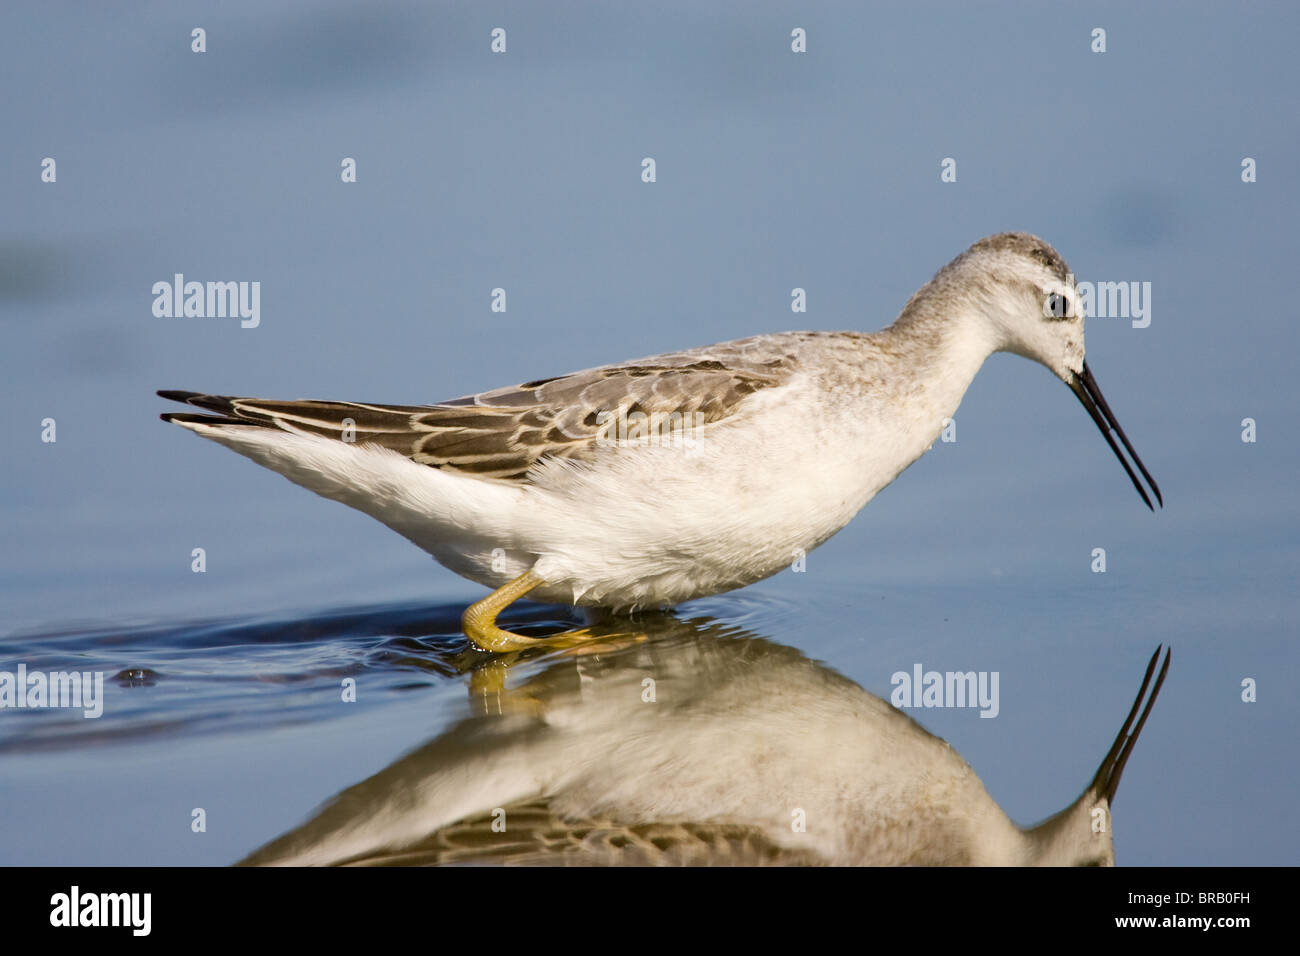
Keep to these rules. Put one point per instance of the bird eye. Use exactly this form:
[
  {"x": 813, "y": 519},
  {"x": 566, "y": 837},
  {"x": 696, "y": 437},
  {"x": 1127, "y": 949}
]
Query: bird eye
[{"x": 1056, "y": 306}]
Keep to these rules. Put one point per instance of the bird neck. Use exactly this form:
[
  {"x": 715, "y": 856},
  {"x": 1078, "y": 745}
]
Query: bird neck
[
  {"x": 1077, "y": 836},
  {"x": 939, "y": 343}
]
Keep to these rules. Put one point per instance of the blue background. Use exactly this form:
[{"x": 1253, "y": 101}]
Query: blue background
[{"x": 775, "y": 170}]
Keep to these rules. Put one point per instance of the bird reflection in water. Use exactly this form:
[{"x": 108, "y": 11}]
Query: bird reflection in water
[{"x": 691, "y": 742}]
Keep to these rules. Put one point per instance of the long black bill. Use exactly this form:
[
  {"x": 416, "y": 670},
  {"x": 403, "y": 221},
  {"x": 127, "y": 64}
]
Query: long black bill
[
  {"x": 1106, "y": 782},
  {"x": 1085, "y": 386}
]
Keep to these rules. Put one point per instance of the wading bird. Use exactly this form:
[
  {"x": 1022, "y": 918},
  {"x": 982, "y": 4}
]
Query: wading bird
[{"x": 570, "y": 490}]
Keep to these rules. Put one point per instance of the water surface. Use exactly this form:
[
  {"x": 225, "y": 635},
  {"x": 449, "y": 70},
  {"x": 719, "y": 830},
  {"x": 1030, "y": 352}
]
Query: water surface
[{"x": 522, "y": 171}]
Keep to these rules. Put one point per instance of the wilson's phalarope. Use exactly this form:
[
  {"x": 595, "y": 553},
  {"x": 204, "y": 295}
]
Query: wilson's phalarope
[
  {"x": 654, "y": 481},
  {"x": 749, "y": 753}
]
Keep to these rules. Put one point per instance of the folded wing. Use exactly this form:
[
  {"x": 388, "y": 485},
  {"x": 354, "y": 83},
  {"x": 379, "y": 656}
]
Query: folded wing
[{"x": 501, "y": 434}]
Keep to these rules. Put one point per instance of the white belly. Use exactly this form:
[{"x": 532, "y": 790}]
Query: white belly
[{"x": 656, "y": 526}]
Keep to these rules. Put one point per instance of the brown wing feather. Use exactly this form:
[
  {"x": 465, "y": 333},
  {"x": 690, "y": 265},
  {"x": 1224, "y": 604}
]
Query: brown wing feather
[
  {"x": 535, "y": 835},
  {"x": 500, "y": 434}
]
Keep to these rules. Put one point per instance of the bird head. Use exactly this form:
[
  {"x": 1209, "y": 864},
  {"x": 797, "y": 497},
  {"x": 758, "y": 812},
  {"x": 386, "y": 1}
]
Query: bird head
[{"x": 1080, "y": 835}]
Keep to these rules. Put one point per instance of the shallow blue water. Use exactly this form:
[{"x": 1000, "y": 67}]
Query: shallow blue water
[{"x": 522, "y": 172}]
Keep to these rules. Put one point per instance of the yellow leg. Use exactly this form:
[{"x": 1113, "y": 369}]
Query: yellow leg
[
  {"x": 490, "y": 695},
  {"x": 480, "y": 619},
  {"x": 480, "y": 622}
]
